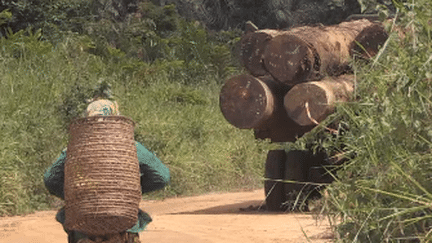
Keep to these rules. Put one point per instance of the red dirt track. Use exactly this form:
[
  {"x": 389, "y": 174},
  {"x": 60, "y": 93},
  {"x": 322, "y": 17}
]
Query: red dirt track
[{"x": 212, "y": 218}]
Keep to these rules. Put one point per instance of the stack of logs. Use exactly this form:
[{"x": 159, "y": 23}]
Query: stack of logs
[{"x": 296, "y": 76}]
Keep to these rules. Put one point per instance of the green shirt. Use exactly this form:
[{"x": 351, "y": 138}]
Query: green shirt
[{"x": 154, "y": 176}]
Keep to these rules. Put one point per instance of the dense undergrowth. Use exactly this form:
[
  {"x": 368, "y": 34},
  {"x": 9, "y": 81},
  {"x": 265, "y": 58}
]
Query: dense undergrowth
[
  {"x": 165, "y": 78},
  {"x": 384, "y": 192}
]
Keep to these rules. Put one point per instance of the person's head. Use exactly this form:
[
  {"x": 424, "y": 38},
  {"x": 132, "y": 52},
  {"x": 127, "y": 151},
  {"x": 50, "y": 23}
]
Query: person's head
[{"x": 102, "y": 107}]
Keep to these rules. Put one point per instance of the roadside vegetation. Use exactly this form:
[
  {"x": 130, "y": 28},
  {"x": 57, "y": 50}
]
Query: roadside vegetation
[
  {"x": 384, "y": 192},
  {"x": 167, "y": 79},
  {"x": 166, "y": 73}
]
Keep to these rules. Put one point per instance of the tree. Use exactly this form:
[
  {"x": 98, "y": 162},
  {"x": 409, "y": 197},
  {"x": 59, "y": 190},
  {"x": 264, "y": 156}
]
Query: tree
[{"x": 274, "y": 14}]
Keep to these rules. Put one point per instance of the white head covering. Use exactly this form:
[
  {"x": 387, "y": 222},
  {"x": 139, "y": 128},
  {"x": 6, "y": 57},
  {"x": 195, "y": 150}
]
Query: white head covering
[{"x": 102, "y": 107}]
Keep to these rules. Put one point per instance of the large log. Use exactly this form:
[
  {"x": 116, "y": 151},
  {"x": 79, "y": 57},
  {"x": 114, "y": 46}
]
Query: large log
[
  {"x": 311, "y": 102},
  {"x": 246, "y": 101},
  {"x": 368, "y": 42},
  {"x": 249, "y": 102},
  {"x": 310, "y": 53},
  {"x": 252, "y": 45}
]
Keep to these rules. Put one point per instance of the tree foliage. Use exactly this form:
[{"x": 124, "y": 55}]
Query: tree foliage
[
  {"x": 164, "y": 69},
  {"x": 50, "y": 16},
  {"x": 226, "y": 14}
]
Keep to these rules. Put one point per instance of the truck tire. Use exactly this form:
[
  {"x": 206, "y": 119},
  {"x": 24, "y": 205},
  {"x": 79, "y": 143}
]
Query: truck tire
[
  {"x": 296, "y": 169},
  {"x": 274, "y": 169},
  {"x": 319, "y": 174}
]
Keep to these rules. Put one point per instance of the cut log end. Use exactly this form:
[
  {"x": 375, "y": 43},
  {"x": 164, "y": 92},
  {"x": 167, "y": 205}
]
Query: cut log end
[
  {"x": 307, "y": 104},
  {"x": 310, "y": 103},
  {"x": 289, "y": 59},
  {"x": 369, "y": 41},
  {"x": 252, "y": 46},
  {"x": 246, "y": 102}
]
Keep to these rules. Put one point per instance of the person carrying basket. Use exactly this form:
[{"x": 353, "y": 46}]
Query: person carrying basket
[{"x": 154, "y": 175}]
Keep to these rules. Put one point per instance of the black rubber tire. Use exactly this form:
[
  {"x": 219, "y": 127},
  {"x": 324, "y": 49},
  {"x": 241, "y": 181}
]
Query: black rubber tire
[
  {"x": 296, "y": 169},
  {"x": 274, "y": 169},
  {"x": 70, "y": 237},
  {"x": 319, "y": 174},
  {"x": 73, "y": 237}
]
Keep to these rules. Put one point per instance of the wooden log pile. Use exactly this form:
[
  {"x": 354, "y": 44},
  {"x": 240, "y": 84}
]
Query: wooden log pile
[{"x": 296, "y": 76}]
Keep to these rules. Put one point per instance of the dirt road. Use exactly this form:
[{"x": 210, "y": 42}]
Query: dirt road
[{"x": 213, "y": 218}]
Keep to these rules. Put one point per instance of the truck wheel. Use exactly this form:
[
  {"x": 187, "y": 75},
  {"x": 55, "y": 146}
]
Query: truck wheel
[
  {"x": 296, "y": 169},
  {"x": 319, "y": 174},
  {"x": 274, "y": 169}
]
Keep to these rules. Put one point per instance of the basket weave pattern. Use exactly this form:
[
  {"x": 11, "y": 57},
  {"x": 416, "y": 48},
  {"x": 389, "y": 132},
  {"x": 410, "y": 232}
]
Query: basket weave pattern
[{"x": 102, "y": 178}]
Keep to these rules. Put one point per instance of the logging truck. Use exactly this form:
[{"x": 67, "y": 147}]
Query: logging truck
[{"x": 294, "y": 79}]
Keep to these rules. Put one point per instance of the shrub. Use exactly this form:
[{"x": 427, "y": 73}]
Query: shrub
[
  {"x": 173, "y": 97},
  {"x": 52, "y": 17},
  {"x": 383, "y": 193}
]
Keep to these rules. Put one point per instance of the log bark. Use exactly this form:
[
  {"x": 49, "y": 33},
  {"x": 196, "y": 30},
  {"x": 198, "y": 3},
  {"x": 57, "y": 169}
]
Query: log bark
[
  {"x": 252, "y": 46},
  {"x": 311, "y": 102},
  {"x": 310, "y": 53}
]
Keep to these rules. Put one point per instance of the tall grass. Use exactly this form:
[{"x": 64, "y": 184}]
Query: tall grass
[
  {"x": 30, "y": 130},
  {"x": 384, "y": 193},
  {"x": 176, "y": 109},
  {"x": 184, "y": 125}
]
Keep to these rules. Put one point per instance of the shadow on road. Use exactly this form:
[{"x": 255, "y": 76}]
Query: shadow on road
[{"x": 247, "y": 207}]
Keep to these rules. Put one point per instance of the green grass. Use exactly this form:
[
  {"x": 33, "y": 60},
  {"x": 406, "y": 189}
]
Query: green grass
[
  {"x": 43, "y": 87},
  {"x": 383, "y": 194},
  {"x": 184, "y": 125}
]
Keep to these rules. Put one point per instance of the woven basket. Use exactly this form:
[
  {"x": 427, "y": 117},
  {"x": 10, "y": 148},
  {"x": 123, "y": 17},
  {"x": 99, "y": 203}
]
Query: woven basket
[{"x": 102, "y": 178}]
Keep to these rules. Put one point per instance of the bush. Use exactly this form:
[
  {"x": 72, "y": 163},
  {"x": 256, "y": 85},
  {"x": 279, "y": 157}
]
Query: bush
[
  {"x": 383, "y": 193},
  {"x": 173, "y": 99},
  {"x": 273, "y": 14},
  {"x": 52, "y": 17}
]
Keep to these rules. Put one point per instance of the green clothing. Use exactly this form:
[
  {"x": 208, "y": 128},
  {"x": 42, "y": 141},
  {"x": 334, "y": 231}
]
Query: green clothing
[{"x": 154, "y": 176}]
